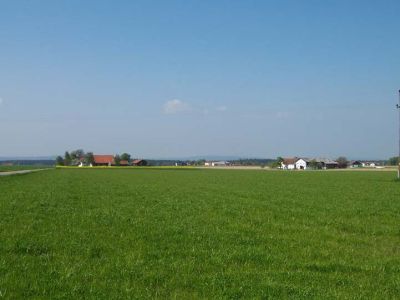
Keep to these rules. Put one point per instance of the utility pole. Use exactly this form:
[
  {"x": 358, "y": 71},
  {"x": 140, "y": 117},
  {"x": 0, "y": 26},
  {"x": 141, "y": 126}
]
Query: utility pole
[{"x": 398, "y": 158}]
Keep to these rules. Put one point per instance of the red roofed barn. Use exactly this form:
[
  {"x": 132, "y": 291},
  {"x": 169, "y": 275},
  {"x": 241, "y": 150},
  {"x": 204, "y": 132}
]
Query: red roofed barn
[{"x": 103, "y": 160}]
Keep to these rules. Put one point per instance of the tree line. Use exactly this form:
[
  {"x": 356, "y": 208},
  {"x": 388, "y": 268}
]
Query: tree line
[{"x": 75, "y": 157}]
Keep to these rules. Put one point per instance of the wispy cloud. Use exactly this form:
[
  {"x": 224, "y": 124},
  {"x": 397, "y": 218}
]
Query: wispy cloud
[{"x": 176, "y": 106}]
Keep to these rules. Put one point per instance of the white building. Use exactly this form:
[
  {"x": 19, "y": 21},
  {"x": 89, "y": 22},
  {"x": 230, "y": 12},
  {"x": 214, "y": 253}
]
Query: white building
[
  {"x": 216, "y": 163},
  {"x": 302, "y": 164},
  {"x": 289, "y": 163}
]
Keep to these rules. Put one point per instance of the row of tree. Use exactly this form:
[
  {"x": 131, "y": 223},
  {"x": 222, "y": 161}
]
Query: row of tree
[
  {"x": 123, "y": 157},
  {"x": 394, "y": 161},
  {"x": 74, "y": 158}
]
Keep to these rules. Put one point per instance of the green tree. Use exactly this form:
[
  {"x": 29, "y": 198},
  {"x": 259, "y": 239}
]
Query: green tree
[
  {"x": 393, "y": 161},
  {"x": 343, "y": 162},
  {"x": 117, "y": 160},
  {"x": 126, "y": 156},
  {"x": 59, "y": 161},
  {"x": 77, "y": 154},
  {"x": 200, "y": 162},
  {"x": 67, "y": 159},
  {"x": 276, "y": 163},
  {"x": 89, "y": 158},
  {"x": 314, "y": 164}
]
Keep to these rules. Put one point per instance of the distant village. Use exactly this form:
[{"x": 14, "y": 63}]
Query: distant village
[
  {"x": 301, "y": 163},
  {"x": 80, "y": 158}
]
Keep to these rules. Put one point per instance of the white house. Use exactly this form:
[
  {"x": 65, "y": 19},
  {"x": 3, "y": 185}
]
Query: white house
[
  {"x": 216, "y": 163},
  {"x": 302, "y": 164},
  {"x": 220, "y": 163},
  {"x": 289, "y": 163}
]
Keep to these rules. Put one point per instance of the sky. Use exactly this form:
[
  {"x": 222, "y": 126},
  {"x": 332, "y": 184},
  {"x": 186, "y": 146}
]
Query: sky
[{"x": 163, "y": 79}]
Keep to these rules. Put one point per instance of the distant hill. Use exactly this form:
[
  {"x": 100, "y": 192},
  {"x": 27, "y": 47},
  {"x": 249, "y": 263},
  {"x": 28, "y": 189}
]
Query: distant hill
[
  {"x": 200, "y": 161},
  {"x": 28, "y": 161},
  {"x": 38, "y": 158}
]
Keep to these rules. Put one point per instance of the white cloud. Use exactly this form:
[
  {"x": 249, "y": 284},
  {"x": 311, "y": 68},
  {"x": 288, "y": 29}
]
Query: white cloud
[
  {"x": 176, "y": 106},
  {"x": 221, "y": 108}
]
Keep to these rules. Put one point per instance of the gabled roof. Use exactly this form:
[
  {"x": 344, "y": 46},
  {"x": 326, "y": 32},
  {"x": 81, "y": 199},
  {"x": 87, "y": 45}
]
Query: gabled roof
[
  {"x": 136, "y": 161},
  {"x": 307, "y": 160},
  {"x": 290, "y": 160},
  {"x": 103, "y": 159},
  {"x": 124, "y": 162},
  {"x": 326, "y": 161}
]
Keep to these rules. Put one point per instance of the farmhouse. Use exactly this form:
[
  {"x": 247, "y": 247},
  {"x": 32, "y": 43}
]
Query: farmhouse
[
  {"x": 216, "y": 163},
  {"x": 307, "y": 163},
  {"x": 355, "y": 164},
  {"x": 289, "y": 163},
  {"x": 302, "y": 164},
  {"x": 139, "y": 162},
  {"x": 369, "y": 164},
  {"x": 220, "y": 163},
  {"x": 124, "y": 163},
  {"x": 327, "y": 163},
  {"x": 103, "y": 160}
]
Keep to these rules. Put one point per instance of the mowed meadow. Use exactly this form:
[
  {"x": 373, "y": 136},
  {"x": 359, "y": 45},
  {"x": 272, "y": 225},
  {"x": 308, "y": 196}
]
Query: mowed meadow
[{"x": 194, "y": 233}]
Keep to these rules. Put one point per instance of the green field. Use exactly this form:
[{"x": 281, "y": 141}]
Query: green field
[{"x": 185, "y": 234}]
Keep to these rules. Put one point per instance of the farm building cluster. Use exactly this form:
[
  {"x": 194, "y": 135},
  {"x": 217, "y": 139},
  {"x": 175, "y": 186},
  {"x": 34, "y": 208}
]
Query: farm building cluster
[
  {"x": 216, "y": 163},
  {"x": 301, "y": 163},
  {"x": 109, "y": 160}
]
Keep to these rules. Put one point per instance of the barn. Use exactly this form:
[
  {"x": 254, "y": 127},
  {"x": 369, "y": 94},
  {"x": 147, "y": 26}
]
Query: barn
[
  {"x": 103, "y": 160},
  {"x": 139, "y": 162}
]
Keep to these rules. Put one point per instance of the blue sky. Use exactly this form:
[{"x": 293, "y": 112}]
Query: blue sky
[{"x": 184, "y": 78}]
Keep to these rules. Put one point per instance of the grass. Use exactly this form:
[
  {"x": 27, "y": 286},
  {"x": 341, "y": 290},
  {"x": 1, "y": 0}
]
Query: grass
[{"x": 186, "y": 234}]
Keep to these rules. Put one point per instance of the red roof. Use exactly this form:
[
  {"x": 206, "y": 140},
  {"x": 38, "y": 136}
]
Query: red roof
[
  {"x": 136, "y": 161},
  {"x": 103, "y": 159},
  {"x": 123, "y": 162},
  {"x": 290, "y": 161}
]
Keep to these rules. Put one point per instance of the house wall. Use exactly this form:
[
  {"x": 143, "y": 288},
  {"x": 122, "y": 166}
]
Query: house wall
[
  {"x": 301, "y": 164},
  {"x": 218, "y": 164},
  {"x": 288, "y": 167}
]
